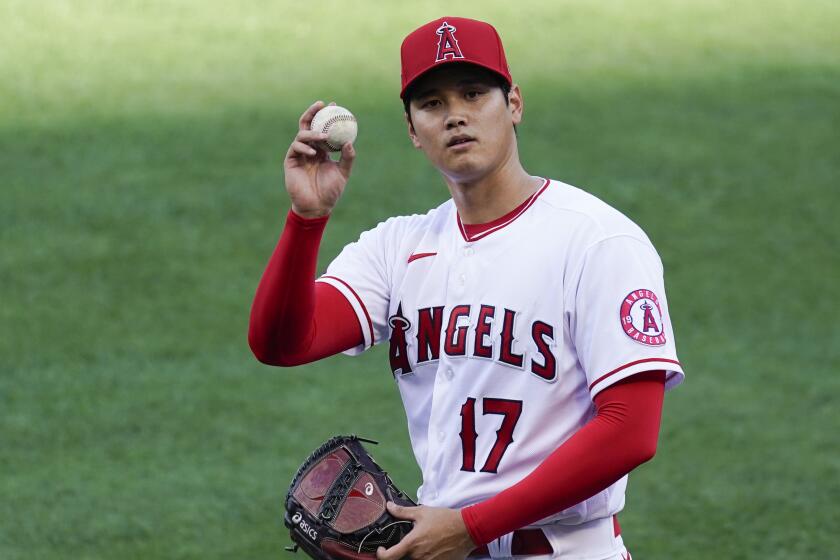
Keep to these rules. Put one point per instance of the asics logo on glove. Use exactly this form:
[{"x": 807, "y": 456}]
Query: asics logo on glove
[{"x": 304, "y": 526}]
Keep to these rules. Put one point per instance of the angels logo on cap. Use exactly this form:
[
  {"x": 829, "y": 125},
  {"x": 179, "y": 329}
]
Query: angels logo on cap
[
  {"x": 436, "y": 43},
  {"x": 448, "y": 44},
  {"x": 641, "y": 318}
]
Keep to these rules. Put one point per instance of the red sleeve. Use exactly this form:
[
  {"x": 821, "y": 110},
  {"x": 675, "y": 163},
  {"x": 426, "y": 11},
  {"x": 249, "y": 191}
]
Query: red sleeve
[
  {"x": 295, "y": 320},
  {"x": 622, "y": 436}
]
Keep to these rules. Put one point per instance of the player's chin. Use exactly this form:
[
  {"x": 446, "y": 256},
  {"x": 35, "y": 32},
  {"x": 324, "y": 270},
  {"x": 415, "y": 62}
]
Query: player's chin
[{"x": 463, "y": 166}]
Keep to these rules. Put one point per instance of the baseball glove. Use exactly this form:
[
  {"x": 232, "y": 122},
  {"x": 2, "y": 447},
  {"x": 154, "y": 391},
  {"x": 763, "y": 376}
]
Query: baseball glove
[{"x": 335, "y": 507}]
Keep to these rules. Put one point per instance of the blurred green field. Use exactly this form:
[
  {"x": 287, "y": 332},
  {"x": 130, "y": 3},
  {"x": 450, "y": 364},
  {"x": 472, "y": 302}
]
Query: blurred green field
[{"x": 141, "y": 194}]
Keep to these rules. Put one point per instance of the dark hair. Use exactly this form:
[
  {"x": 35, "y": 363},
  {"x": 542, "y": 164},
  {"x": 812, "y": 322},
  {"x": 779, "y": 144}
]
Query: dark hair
[{"x": 501, "y": 83}]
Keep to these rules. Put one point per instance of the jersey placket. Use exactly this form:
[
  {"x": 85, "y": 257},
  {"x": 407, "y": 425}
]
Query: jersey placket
[{"x": 444, "y": 418}]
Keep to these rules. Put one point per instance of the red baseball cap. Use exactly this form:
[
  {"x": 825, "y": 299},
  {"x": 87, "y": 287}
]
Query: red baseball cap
[{"x": 452, "y": 39}]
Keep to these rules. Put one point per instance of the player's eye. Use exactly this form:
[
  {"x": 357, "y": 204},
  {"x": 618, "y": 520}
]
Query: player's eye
[
  {"x": 472, "y": 94},
  {"x": 429, "y": 103}
]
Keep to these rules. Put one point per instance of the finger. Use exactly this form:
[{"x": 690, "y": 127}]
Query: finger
[
  {"x": 302, "y": 149},
  {"x": 310, "y": 136},
  {"x": 402, "y": 512},
  {"x": 348, "y": 155},
  {"x": 306, "y": 118},
  {"x": 396, "y": 552}
]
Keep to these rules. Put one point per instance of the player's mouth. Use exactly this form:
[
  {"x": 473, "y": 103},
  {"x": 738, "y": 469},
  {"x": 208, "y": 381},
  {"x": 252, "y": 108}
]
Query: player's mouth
[{"x": 460, "y": 142}]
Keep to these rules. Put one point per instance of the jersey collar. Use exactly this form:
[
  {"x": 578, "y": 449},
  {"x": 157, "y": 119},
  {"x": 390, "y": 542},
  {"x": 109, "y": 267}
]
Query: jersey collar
[{"x": 474, "y": 232}]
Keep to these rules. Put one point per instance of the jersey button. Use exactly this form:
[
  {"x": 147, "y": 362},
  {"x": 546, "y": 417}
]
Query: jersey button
[
  {"x": 468, "y": 251},
  {"x": 462, "y": 279},
  {"x": 441, "y": 436},
  {"x": 449, "y": 373}
]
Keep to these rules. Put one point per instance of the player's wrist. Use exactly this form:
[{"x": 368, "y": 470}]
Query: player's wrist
[
  {"x": 470, "y": 526},
  {"x": 316, "y": 215},
  {"x": 306, "y": 226}
]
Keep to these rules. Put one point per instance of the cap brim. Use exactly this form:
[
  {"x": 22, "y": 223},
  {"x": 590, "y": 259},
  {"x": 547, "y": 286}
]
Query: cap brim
[{"x": 443, "y": 63}]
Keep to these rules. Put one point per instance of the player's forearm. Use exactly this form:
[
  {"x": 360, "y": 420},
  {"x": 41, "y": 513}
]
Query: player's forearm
[
  {"x": 283, "y": 307},
  {"x": 622, "y": 436}
]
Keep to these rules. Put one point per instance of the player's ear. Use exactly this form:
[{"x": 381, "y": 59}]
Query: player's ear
[
  {"x": 516, "y": 104},
  {"x": 411, "y": 133}
]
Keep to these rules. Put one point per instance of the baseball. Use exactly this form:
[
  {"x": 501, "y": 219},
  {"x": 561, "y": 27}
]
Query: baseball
[{"x": 338, "y": 124}]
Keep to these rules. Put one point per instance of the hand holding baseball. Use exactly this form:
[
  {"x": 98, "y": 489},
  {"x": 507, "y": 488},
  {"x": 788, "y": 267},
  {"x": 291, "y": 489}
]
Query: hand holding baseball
[{"x": 314, "y": 181}]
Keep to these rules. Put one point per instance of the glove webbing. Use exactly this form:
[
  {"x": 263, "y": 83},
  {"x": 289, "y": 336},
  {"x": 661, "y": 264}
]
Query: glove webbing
[{"x": 340, "y": 488}]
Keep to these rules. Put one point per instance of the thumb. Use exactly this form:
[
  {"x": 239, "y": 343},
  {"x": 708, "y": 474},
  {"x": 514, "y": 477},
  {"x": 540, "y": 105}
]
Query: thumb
[
  {"x": 402, "y": 512},
  {"x": 348, "y": 155}
]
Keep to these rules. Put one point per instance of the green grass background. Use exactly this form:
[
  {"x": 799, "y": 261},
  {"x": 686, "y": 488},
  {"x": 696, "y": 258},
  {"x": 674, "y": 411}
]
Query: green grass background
[{"x": 141, "y": 194}]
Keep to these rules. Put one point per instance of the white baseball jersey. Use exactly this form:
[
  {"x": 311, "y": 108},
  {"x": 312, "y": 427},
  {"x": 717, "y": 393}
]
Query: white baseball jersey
[{"x": 500, "y": 341}]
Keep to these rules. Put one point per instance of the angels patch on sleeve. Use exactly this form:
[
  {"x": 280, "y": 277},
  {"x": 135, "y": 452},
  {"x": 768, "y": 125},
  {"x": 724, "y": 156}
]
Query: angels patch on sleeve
[{"x": 641, "y": 318}]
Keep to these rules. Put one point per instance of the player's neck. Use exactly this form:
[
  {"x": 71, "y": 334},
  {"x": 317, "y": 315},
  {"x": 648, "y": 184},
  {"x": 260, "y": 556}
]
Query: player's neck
[{"x": 494, "y": 195}]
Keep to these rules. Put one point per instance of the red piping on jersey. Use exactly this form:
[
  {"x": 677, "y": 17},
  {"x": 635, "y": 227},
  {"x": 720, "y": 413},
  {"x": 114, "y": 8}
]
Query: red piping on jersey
[
  {"x": 505, "y": 220},
  {"x": 625, "y": 366},
  {"x": 416, "y": 256},
  {"x": 367, "y": 315}
]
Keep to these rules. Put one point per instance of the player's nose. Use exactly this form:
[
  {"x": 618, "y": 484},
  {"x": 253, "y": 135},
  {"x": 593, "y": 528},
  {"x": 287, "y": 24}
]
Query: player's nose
[{"x": 455, "y": 119}]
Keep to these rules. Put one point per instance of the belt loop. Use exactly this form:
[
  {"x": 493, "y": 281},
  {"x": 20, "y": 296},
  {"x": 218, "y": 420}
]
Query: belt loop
[{"x": 501, "y": 547}]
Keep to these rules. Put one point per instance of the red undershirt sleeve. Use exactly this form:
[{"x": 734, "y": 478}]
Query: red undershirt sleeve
[
  {"x": 621, "y": 436},
  {"x": 295, "y": 320}
]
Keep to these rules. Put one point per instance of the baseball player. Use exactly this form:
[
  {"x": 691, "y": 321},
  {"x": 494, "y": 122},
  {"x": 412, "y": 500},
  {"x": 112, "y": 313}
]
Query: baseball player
[{"x": 529, "y": 332}]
